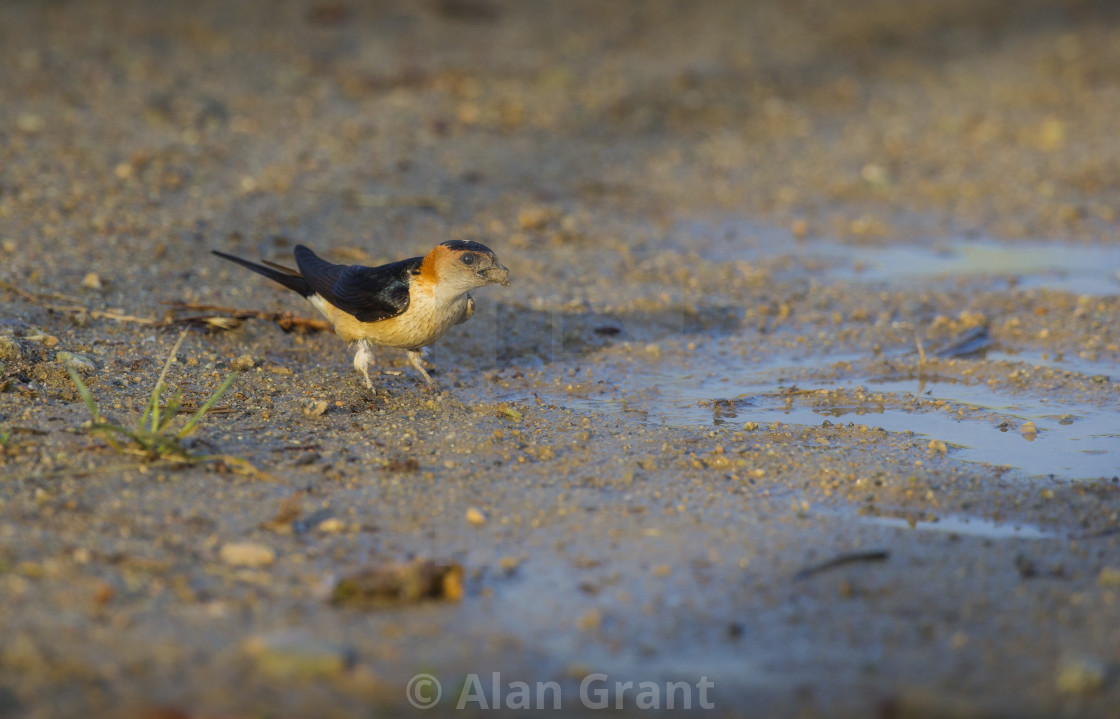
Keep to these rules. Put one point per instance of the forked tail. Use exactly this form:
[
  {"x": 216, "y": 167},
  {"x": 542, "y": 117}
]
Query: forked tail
[{"x": 291, "y": 281}]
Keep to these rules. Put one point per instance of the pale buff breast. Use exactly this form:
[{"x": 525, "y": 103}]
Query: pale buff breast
[{"x": 421, "y": 324}]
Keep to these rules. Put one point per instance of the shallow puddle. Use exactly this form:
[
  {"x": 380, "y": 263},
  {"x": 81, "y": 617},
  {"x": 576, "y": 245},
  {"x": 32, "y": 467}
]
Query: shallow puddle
[
  {"x": 1074, "y": 440},
  {"x": 1078, "y": 269},
  {"x": 968, "y": 526},
  {"x": 718, "y": 385},
  {"x": 1089, "y": 368}
]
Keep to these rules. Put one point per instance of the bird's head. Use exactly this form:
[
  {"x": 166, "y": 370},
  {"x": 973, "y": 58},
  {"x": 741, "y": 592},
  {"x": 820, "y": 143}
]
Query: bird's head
[{"x": 461, "y": 266}]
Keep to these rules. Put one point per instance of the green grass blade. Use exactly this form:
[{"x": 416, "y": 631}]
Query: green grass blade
[
  {"x": 144, "y": 416},
  {"x": 84, "y": 393},
  {"x": 149, "y": 408},
  {"x": 170, "y": 410},
  {"x": 206, "y": 407},
  {"x": 161, "y": 382},
  {"x": 153, "y": 402}
]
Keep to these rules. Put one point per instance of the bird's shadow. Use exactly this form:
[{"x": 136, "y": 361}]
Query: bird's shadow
[{"x": 504, "y": 335}]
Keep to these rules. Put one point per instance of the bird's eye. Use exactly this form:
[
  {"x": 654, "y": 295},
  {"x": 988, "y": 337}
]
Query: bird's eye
[{"x": 468, "y": 258}]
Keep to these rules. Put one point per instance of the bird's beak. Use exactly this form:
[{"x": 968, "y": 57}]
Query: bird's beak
[{"x": 498, "y": 274}]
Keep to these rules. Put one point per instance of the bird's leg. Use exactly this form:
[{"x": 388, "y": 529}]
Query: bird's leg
[
  {"x": 415, "y": 358},
  {"x": 362, "y": 358}
]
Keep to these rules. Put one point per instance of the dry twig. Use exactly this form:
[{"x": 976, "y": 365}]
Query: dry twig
[
  {"x": 225, "y": 318},
  {"x": 286, "y": 320},
  {"x": 43, "y": 301},
  {"x": 880, "y": 555}
]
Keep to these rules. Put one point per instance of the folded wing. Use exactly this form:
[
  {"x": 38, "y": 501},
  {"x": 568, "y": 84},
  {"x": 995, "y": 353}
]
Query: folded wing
[{"x": 369, "y": 293}]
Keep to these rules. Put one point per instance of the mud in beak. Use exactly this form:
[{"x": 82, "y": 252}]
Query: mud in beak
[{"x": 498, "y": 274}]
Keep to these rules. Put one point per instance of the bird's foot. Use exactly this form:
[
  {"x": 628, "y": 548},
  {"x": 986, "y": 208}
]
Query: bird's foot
[
  {"x": 369, "y": 382},
  {"x": 362, "y": 359},
  {"x": 416, "y": 359}
]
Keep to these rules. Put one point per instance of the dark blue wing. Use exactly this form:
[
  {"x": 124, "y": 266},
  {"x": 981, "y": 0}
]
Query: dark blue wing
[{"x": 368, "y": 293}]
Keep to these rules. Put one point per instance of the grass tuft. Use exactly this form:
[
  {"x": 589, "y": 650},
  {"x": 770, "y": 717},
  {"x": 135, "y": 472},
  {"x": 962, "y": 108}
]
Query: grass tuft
[{"x": 154, "y": 436}]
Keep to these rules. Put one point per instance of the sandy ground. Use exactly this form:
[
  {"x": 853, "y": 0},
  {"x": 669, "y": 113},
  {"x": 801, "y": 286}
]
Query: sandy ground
[{"x": 645, "y": 453}]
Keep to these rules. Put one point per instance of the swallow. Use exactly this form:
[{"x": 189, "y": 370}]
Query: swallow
[{"x": 407, "y": 304}]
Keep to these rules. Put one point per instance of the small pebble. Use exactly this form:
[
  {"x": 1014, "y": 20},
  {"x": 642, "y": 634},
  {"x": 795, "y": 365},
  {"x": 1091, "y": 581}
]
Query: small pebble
[
  {"x": 23, "y": 654},
  {"x": 535, "y": 217},
  {"x": 92, "y": 281},
  {"x": 475, "y": 516},
  {"x": 10, "y": 350},
  {"x": 590, "y": 621},
  {"x": 40, "y": 337},
  {"x": 30, "y": 124},
  {"x": 244, "y": 363},
  {"x": 247, "y": 554},
  {"x": 295, "y": 654},
  {"x": 316, "y": 408},
  {"x": 77, "y": 361},
  {"x": 334, "y": 525},
  {"x": 1028, "y": 430},
  {"x": 1080, "y": 674},
  {"x": 1109, "y": 577}
]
